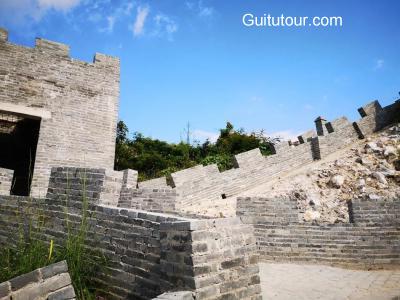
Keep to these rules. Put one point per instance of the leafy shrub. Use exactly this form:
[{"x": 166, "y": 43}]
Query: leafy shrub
[
  {"x": 223, "y": 161},
  {"x": 153, "y": 158}
]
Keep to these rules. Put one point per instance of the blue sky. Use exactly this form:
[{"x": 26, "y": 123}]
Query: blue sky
[{"x": 195, "y": 61}]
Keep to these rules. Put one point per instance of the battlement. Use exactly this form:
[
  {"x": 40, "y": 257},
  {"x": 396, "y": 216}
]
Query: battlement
[
  {"x": 51, "y": 47},
  {"x": 55, "y": 93},
  {"x": 60, "y": 50},
  {"x": 202, "y": 190},
  {"x": 3, "y": 35}
]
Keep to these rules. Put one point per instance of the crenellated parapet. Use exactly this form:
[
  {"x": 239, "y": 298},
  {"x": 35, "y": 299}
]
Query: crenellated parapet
[
  {"x": 75, "y": 104},
  {"x": 3, "y": 35},
  {"x": 203, "y": 189},
  {"x": 50, "y": 47}
]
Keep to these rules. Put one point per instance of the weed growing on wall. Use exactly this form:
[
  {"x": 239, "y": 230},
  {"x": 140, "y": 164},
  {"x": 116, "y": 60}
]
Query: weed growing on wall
[
  {"x": 83, "y": 261},
  {"x": 30, "y": 252},
  {"x": 33, "y": 250}
]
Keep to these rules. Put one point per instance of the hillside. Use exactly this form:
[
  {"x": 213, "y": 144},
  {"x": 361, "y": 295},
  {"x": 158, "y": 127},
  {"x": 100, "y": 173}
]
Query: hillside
[{"x": 369, "y": 168}]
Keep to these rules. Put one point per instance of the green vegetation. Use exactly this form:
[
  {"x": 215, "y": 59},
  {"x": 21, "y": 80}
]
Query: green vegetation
[
  {"x": 84, "y": 262},
  {"x": 33, "y": 251},
  {"x": 153, "y": 158},
  {"x": 29, "y": 253}
]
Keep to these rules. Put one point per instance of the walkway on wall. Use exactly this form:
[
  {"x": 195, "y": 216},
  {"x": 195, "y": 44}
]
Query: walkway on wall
[
  {"x": 263, "y": 188},
  {"x": 311, "y": 282}
]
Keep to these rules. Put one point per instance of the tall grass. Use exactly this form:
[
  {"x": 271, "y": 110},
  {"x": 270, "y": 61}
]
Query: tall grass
[
  {"x": 83, "y": 261},
  {"x": 33, "y": 251},
  {"x": 30, "y": 252}
]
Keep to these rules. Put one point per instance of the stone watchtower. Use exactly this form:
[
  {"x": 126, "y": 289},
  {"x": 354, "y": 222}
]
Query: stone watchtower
[{"x": 54, "y": 111}]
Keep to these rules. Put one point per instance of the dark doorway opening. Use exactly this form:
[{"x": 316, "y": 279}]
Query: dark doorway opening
[{"x": 18, "y": 141}]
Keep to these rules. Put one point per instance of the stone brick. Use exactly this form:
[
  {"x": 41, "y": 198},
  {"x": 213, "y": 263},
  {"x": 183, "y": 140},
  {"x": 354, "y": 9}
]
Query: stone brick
[
  {"x": 232, "y": 263},
  {"x": 54, "y": 269},
  {"x": 25, "y": 279},
  {"x": 5, "y": 289},
  {"x": 63, "y": 294}
]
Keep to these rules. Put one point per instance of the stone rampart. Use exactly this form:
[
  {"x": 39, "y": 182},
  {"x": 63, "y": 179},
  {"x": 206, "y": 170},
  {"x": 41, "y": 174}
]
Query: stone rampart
[
  {"x": 150, "y": 199},
  {"x": 154, "y": 183},
  {"x": 203, "y": 187},
  {"x": 219, "y": 263},
  {"x": 376, "y": 212},
  {"x": 149, "y": 253},
  {"x": 372, "y": 240}
]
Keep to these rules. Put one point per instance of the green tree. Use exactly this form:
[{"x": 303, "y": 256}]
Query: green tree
[{"x": 153, "y": 158}]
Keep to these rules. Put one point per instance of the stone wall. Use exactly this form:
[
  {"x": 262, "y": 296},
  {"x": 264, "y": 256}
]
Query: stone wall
[
  {"x": 202, "y": 189},
  {"x": 341, "y": 134},
  {"x": 376, "y": 212},
  {"x": 150, "y": 199},
  {"x": 52, "y": 282},
  {"x": 372, "y": 241},
  {"x": 149, "y": 253},
  {"x": 112, "y": 187},
  {"x": 76, "y": 101},
  {"x": 154, "y": 183},
  {"x": 374, "y": 117},
  {"x": 219, "y": 263},
  {"x": 198, "y": 187},
  {"x": 6, "y": 178}
]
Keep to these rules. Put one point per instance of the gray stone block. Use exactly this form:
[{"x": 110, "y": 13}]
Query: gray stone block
[
  {"x": 5, "y": 289},
  {"x": 62, "y": 294},
  {"x": 54, "y": 269},
  {"x": 25, "y": 279}
]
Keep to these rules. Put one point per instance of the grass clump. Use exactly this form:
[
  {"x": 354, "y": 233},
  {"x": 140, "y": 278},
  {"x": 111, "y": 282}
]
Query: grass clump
[
  {"x": 33, "y": 250},
  {"x": 30, "y": 252}
]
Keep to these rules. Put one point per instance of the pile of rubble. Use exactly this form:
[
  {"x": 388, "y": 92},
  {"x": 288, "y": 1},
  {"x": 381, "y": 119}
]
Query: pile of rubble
[{"x": 370, "y": 169}]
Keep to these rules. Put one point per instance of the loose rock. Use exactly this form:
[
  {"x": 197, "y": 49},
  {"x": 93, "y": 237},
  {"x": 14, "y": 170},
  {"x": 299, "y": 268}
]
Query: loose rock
[
  {"x": 380, "y": 177},
  {"x": 311, "y": 215},
  {"x": 337, "y": 181}
]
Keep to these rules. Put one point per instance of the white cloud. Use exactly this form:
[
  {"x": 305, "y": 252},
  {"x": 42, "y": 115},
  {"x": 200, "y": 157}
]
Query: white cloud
[
  {"x": 256, "y": 100},
  {"x": 61, "y": 5},
  {"x": 21, "y": 11},
  {"x": 110, "y": 24},
  {"x": 128, "y": 8},
  {"x": 115, "y": 15},
  {"x": 379, "y": 64},
  {"x": 203, "y": 135},
  {"x": 285, "y": 135},
  {"x": 189, "y": 5},
  {"x": 308, "y": 106},
  {"x": 206, "y": 11},
  {"x": 164, "y": 25},
  {"x": 160, "y": 25},
  {"x": 138, "y": 25},
  {"x": 95, "y": 17},
  {"x": 200, "y": 9}
]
